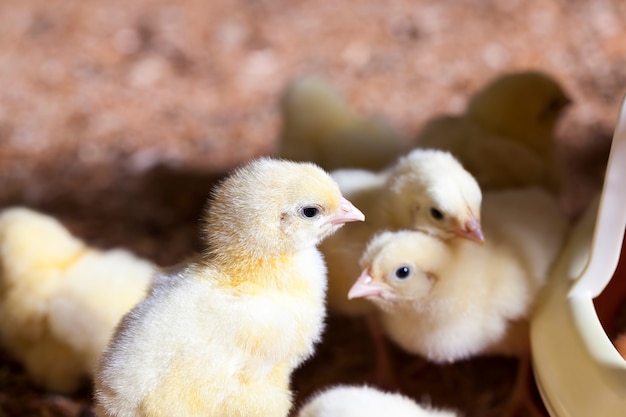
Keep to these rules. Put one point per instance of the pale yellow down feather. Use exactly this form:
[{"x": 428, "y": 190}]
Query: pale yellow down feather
[
  {"x": 61, "y": 299},
  {"x": 221, "y": 336},
  {"x": 506, "y": 136},
  {"x": 319, "y": 126},
  {"x": 456, "y": 299},
  {"x": 398, "y": 198}
]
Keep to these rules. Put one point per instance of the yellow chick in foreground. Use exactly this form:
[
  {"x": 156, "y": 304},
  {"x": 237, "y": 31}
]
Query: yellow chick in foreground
[
  {"x": 221, "y": 336},
  {"x": 425, "y": 190},
  {"x": 60, "y": 299},
  {"x": 451, "y": 300},
  {"x": 319, "y": 126},
  {"x": 506, "y": 136},
  {"x": 364, "y": 401}
]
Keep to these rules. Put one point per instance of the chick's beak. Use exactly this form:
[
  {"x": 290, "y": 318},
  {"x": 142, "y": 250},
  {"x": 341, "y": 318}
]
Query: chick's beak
[
  {"x": 472, "y": 230},
  {"x": 365, "y": 287},
  {"x": 347, "y": 213}
]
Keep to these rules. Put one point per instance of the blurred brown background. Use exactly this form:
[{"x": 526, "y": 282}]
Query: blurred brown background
[{"x": 117, "y": 116}]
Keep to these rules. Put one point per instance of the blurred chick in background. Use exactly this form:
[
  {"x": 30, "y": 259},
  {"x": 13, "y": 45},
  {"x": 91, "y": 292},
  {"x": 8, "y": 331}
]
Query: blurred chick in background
[
  {"x": 451, "y": 300},
  {"x": 425, "y": 190},
  {"x": 319, "y": 126},
  {"x": 60, "y": 299},
  {"x": 506, "y": 136},
  {"x": 364, "y": 401},
  {"x": 221, "y": 336}
]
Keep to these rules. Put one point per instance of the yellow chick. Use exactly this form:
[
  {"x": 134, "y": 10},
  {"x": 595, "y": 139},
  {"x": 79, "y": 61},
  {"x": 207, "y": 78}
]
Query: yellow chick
[
  {"x": 319, "y": 126},
  {"x": 221, "y": 336},
  {"x": 506, "y": 136},
  {"x": 451, "y": 300},
  {"x": 60, "y": 299},
  {"x": 425, "y": 190},
  {"x": 524, "y": 106},
  {"x": 365, "y": 401}
]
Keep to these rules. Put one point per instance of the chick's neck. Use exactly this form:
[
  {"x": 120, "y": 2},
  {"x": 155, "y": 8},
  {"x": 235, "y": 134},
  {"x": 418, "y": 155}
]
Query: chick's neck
[{"x": 244, "y": 267}]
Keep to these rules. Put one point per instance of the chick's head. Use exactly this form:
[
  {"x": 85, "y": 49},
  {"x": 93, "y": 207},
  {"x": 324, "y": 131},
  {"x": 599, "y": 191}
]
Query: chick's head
[
  {"x": 429, "y": 190},
  {"x": 311, "y": 103},
  {"x": 399, "y": 268},
  {"x": 274, "y": 207},
  {"x": 522, "y": 105},
  {"x": 25, "y": 237}
]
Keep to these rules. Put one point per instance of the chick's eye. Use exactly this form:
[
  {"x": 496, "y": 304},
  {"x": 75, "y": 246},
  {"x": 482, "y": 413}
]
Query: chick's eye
[
  {"x": 436, "y": 214},
  {"x": 309, "y": 212},
  {"x": 555, "y": 105},
  {"x": 403, "y": 272}
]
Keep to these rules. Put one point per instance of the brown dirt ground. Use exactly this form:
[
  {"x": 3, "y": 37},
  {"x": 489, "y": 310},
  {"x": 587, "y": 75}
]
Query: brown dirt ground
[{"x": 118, "y": 116}]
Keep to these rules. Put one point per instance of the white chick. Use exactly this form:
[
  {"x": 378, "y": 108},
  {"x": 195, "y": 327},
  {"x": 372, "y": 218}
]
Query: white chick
[
  {"x": 319, "y": 126},
  {"x": 364, "y": 401},
  {"x": 451, "y": 300},
  {"x": 425, "y": 190},
  {"x": 221, "y": 336},
  {"x": 506, "y": 136},
  {"x": 60, "y": 299}
]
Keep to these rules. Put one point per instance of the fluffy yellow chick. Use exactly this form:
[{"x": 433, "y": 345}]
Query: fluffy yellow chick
[
  {"x": 365, "y": 401},
  {"x": 451, "y": 300},
  {"x": 221, "y": 336},
  {"x": 60, "y": 299},
  {"x": 426, "y": 190},
  {"x": 319, "y": 126},
  {"x": 506, "y": 136}
]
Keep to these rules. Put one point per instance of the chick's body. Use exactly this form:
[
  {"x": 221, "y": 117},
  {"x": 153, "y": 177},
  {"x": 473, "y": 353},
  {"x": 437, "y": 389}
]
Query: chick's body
[
  {"x": 454, "y": 300},
  {"x": 403, "y": 196},
  {"x": 364, "y": 401},
  {"x": 319, "y": 126},
  {"x": 220, "y": 351},
  {"x": 496, "y": 162},
  {"x": 506, "y": 136},
  {"x": 60, "y": 300},
  {"x": 222, "y": 336}
]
